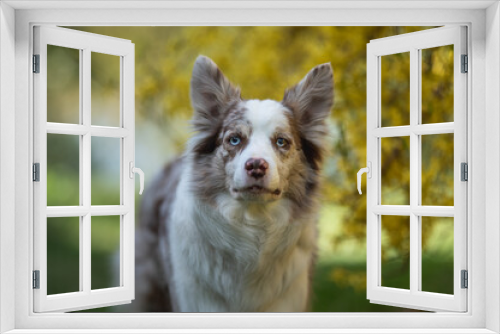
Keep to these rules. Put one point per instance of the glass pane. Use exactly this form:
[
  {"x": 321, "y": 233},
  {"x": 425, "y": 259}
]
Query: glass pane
[
  {"x": 395, "y": 162},
  {"x": 63, "y": 84},
  {"x": 105, "y": 253},
  {"x": 437, "y": 254},
  {"x": 437, "y": 169},
  {"x": 395, "y": 244},
  {"x": 437, "y": 84},
  {"x": 395, "y": 92},
  {"x": 105, "y": 188},
  {"x": 63, "y": 255},
  {"x": 63, "y": 176},
  {"x": 105, "y": 89}
]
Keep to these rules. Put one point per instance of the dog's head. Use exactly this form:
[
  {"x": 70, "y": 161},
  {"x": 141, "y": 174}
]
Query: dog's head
[{"x": 258, "y": 150}]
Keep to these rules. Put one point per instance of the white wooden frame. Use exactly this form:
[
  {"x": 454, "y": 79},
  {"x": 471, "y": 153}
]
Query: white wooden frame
[
  {"x": 413, "y": 44},
  {"x": 483, "y": 19},
  {"x": 85, "y": 43}
]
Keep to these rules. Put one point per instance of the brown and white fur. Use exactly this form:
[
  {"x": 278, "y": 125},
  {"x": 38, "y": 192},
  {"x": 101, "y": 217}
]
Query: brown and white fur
[{"x": 231, "y": 226}]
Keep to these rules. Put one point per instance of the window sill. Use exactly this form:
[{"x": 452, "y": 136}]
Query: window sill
[{"x": 252, "y": 331}]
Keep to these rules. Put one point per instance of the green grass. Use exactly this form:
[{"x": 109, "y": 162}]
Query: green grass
[{"x": 341, "y": 287}]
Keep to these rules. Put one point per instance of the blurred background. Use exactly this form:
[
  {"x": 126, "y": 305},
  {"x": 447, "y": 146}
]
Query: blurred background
[{"x": 263, "y": 61}]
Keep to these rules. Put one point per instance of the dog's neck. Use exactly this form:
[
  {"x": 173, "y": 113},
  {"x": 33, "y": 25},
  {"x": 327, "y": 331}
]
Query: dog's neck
[
  {"x": 253, "y": 213},
  {"x": 246, "y": 229}
]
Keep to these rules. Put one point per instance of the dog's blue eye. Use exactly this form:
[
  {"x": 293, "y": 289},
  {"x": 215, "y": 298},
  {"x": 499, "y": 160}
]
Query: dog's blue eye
[
  {"x": 234, "y": 140},
  {"x": 281, "y": 142}
]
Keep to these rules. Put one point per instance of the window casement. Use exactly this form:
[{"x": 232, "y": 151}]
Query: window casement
[
  {"x": 416, "y": 131},
  {"x": 482, "y": 20},
  {"x": 85, "y": 131}
]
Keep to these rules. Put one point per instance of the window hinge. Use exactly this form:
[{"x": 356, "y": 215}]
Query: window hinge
[
  {"x": 465, "y": 64},
  {"x": 36, "y": 63},
  {"x": 36, "y": 172},
  {"x": 464, "y": 171},
  {"x": 465, "y": 279},
  {"x": 36, "y": 279}
]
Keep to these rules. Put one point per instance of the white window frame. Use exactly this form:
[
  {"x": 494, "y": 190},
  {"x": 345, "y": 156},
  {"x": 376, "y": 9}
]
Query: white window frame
[
  {"x": 413, "y": 44},
  {"x": 483, "y": 21},
  {"x": 86, "y": 44}
]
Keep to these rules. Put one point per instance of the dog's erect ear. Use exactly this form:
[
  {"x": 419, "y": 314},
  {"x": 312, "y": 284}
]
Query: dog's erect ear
[
  {"x": 312, "y": 98},
  {"x": 311, "y": 101},
  {"x": 211, "y": 92}
]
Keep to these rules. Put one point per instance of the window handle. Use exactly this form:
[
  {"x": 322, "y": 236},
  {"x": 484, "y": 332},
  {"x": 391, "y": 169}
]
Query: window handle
[
  {"x": 133, "y": 170},
  {"x": 368, "y": 171}
]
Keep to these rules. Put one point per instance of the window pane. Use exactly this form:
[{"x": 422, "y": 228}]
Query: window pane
[
  {"x": 395, "y": 244},
  {"x": 105, "y": 256},
  {"x": 63, "y": 255},
  {"x": 63, "y": 163},
  {"x": 63, "y": 84},
  {"x": 395, "y": 91},
  {"x": 395, "y": 170},
  {"x": 437, "y": 254},
  {"x": 105, "y": 89},
  {"x": 437, "y": 169},
  {"x": 437, "y": 84},
  {"x": 105, "y": 188}
]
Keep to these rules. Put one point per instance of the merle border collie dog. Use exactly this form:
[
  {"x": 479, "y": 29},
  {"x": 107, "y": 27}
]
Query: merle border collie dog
[{"x": 231, "y": 226}]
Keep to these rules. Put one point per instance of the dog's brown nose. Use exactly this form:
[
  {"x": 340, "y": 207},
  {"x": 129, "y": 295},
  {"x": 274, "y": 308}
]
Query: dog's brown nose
[{"x": 256, "y": 167}]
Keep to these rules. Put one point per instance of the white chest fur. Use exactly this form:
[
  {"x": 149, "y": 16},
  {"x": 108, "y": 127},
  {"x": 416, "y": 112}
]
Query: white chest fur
[{"x": 239, "y": 257}]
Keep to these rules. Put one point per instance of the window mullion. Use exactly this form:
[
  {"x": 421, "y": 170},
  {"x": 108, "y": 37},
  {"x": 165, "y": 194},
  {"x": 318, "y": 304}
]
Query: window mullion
[
  {"x": 105, "y": 131},
  {"x": 85, "y": 167},
  {"x": 127, "y": 155},
  {"x": 418, "y": 191},
  {"x": 414, "y": 171},
  {"x": 81, "y": 176},
  {"x": 460, "y": 155}
]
